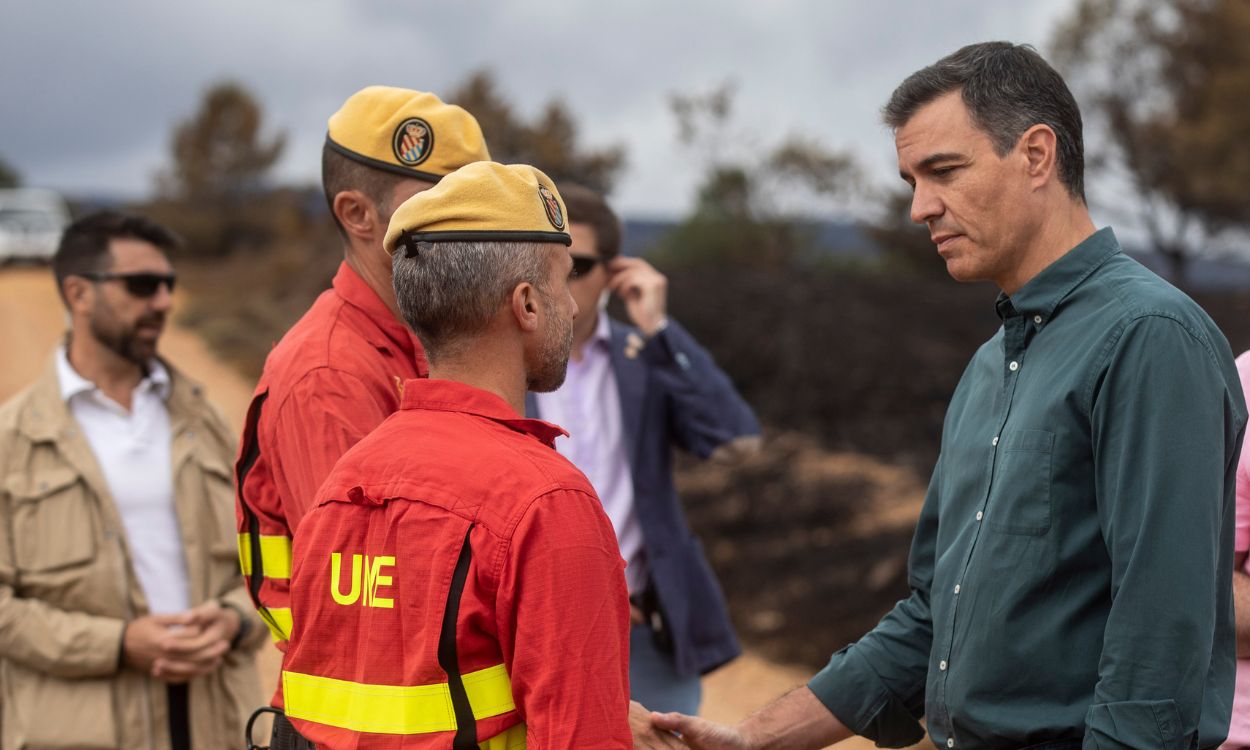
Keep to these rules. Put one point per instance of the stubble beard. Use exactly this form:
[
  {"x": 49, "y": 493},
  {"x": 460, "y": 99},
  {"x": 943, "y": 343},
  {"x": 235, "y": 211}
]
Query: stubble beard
[
  {"x": 553, "y": 359},
  {"x": 124, "y": 340}
]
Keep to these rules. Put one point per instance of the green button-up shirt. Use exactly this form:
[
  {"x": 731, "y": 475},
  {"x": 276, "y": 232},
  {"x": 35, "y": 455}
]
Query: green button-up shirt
[{"x": 1071, "y": 569}]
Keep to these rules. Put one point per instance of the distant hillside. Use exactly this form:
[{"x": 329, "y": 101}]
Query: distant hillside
[
  {"x": 838, "y": 238},
  {"x": 848, "y": 239}
]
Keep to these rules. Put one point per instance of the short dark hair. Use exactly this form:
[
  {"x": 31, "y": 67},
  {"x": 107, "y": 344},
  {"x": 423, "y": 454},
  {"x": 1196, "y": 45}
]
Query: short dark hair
[
  {"x": 84, "y": 246},
  {"x": 340, "y": 173},
  {"x": 1007, "y": 88},
  {"x": 586, "y": 206}
]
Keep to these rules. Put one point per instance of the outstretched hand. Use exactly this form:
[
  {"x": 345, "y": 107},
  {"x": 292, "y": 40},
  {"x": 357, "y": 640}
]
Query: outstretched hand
[
  {"x": 700, "y": 734},
  {"x": 646, "y": 736}
]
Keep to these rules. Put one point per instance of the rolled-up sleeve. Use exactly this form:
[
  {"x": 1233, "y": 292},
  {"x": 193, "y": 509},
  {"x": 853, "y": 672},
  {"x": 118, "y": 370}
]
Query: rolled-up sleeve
[
  {"x": 1165, "y": 431},
  {"x": 876, "y": 685}
]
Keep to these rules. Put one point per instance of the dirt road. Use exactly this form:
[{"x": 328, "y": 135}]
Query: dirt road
[{"x": 32, "y": 320}]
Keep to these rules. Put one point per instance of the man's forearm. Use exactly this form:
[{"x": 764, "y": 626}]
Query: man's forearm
[
  {"x": 795, "y": 721},
  {"x": 1241, "y": 606}
]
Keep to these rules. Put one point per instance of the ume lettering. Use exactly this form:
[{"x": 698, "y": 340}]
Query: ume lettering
[{"x": 368, "y": 575}]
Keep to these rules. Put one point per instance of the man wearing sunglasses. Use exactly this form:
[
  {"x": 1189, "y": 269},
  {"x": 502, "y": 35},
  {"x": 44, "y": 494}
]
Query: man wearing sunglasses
[
  {"x": 122, "y": 619},
  {"x": 631, "y": 394}
]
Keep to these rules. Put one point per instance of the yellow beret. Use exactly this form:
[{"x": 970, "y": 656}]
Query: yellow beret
[
  {"x": 484, "y": 201},
  {"x": 406, "y": 132}
]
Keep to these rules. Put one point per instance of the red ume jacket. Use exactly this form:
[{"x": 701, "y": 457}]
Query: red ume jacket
[{"x": 458, "y": 575}]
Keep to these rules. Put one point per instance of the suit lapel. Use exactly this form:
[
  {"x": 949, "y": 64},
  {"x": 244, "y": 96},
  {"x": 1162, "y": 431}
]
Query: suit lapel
[{"x": 631, "y": 384}]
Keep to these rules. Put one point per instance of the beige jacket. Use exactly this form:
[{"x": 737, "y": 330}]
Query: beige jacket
[{"x": 67, "y": 585}]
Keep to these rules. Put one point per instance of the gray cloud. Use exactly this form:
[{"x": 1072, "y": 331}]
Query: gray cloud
[{"x": 92, "y": 90}]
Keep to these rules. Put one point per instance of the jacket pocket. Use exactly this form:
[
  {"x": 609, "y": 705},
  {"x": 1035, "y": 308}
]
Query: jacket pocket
[
  {"x": 1020, "y": 501},
  {"x": 52, "y": 521},
  {"x": 48, "y": 713}
]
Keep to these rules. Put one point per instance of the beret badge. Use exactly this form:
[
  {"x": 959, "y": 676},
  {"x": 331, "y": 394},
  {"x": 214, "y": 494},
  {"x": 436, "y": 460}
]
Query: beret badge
[
  {"x": 413, "y": 141},
  {"x": 552, "y": 207}
]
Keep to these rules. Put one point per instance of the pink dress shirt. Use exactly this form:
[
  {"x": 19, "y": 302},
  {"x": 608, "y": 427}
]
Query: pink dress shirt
[
  {"x": 1239, "y": 731},
  {"x": 588, "y": 405}
]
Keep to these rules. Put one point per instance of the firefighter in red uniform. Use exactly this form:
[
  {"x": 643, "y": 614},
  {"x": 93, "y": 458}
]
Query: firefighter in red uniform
[
  {"x": 457, "y": 583},
  {"x": 337, "y": 373}
]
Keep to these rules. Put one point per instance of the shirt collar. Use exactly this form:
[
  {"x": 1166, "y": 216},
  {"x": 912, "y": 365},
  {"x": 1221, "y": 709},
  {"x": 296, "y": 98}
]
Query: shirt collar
[
  {"x": 355, "y": 292},
  {"x": 453, "y": 396},
  {"x": 73, "y": 384},
  {"x": 603, "y": 330},
  {"x": 1040, "y": 297}
]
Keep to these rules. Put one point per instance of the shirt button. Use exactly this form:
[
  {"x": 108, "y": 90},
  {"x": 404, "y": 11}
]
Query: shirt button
[
  {"x": 957, "y": 588},
  {"x": 994, "y": 442},
  {"x": 1037, "y": 319},
  {"x": 980, "y": 515},
  {"x": 1013, "y": 366},
  {"x": 942, "y": 665},
  {"x": 950, "y": 741}
]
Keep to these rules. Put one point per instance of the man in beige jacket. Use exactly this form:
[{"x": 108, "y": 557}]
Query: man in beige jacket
[{"x": 123, "y": 623}]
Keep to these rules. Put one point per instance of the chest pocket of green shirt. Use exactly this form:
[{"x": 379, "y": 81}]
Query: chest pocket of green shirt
[{"x": 1020, "y": 498}]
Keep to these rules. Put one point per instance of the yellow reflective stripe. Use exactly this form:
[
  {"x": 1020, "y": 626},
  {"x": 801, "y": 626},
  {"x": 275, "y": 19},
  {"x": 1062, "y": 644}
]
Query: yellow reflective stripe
[
  {"x": 279, "y": 621},
  {"x": 489, "y": 691},
  {"x": 512, "y": 738},
  {"x": 275, "y": 555},
  {"x": 393, "y": 709}
]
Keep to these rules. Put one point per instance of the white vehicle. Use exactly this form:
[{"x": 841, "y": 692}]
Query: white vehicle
[{"x": 31, "y": 222}]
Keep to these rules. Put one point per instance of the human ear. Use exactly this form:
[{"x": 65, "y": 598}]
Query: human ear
[
  {"x": 525, "y": 306},
  {"x": 355, "y": 212},
  {"x": 77, "y": 292},
  {"x": 1038, "y": 145}
]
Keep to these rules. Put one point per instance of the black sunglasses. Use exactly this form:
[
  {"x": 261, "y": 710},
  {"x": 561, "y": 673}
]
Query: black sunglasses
[
  {"x": 583, "y": 265},
  {"x": 141, "y": 285}
]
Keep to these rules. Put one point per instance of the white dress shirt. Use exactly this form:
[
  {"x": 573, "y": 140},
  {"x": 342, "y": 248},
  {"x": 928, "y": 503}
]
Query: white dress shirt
[
  {"x": 588, "y": 406},
  {"x": 132, "y": 449}
]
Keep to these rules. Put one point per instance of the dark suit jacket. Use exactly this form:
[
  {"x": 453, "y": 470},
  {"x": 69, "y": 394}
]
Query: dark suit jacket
[{"x": 672, "y": 393}]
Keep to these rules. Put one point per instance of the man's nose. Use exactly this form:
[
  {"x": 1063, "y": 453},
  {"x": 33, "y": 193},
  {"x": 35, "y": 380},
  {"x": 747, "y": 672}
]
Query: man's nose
[
  {"x": 164, "y": 297},
  {"x": 925, "y": 205}
]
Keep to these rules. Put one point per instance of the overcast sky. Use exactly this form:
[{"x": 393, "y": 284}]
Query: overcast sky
[{"x": 91, "y": 90}]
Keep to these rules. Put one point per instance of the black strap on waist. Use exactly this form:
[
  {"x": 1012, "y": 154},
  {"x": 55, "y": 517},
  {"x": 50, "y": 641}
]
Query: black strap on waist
[
  {"x": 251, "y": 452},
  {"x": 448, "y": 659}
]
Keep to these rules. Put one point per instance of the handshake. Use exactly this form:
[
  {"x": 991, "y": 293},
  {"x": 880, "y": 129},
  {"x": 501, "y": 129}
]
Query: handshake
[
  {"x": 655, "y": 730},
  {"x": 796, "y": 720}
]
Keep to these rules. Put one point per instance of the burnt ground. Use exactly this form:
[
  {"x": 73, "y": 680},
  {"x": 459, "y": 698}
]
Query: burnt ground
[{"x": 810, "y": 545}]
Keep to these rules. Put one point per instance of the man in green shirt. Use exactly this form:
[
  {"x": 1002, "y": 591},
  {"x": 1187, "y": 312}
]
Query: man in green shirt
[{"x": 1070, "y": 572}]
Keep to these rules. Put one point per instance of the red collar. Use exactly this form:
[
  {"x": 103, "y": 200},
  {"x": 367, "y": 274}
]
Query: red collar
[
  {"x": 450, "y": 395},
  {"x": 355, "y": 292}
]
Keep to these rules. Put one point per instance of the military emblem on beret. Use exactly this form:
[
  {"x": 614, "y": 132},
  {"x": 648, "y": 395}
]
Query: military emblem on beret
[
  {"x": 552, "y": 206},
  {"x": 413, "y": 142}
]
